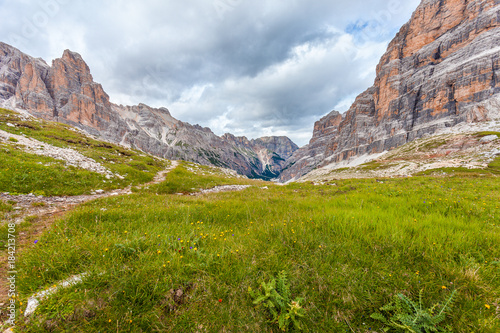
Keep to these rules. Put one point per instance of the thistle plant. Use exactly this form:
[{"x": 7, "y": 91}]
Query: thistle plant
[
  {"x": 409, "y": 316},
  {"x": 275, "y": 296}
]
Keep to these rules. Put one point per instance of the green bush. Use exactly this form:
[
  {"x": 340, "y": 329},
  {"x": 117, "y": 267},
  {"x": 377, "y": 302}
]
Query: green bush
[
  {"x": 276, "y": 298},
  {"x": 405, "y": 315}
]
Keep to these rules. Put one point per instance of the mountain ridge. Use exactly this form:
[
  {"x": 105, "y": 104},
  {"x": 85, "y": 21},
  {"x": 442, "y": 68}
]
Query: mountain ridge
[
  {"x": 66, "y": 92},
  {"x": 440, "y": 70}
]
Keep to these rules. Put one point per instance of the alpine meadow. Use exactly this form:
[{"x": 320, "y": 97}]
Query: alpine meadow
[{"x": 122, "y": 218}]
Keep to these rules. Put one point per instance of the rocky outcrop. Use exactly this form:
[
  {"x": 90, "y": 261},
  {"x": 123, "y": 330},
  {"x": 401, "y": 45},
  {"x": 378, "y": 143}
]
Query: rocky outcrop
[
  {"x": 440, "y": 70},
  {"x": 66, "y": 92}
]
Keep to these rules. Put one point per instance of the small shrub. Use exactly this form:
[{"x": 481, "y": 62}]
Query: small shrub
[
  {"x": 408, "y": 316},
  {"x": 276, "y": 298}
]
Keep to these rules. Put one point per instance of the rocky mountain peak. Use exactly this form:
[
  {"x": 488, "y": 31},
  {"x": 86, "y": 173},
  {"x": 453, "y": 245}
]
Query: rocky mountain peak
[
  {"x": 66, "y": 92},
  {"x": 440, "y": 70},
  {"x": 72, "y": 65}
]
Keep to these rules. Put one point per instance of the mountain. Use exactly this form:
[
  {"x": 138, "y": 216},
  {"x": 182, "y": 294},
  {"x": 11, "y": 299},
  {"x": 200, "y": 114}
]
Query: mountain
[
  {"x": 66, "y": 92},
  {"x": 440, "y": 70}
]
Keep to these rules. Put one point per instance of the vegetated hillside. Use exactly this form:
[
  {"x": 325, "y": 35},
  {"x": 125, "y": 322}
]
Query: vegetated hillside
[
  {"x": 66, "y": 92},
  {"x": 47, "y": 168},
  {"x": 440, "y": 70},
  {"x": 169, "y": 263},
  {"x": 48, "y": 158},
  {"x": 467, "y": 153}
]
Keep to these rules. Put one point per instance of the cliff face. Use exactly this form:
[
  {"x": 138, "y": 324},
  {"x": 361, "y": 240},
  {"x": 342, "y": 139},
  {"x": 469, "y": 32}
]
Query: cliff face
[
  {"x": 66, "y": 92},
  {"x": 270, "y": 152},
  {"x": 440, "y": 70}
]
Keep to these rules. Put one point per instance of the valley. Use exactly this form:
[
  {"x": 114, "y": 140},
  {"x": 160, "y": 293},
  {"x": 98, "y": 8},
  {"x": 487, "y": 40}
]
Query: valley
[
  {"x": 155, "y": 258},
  {"x": 123, "y": 218}
]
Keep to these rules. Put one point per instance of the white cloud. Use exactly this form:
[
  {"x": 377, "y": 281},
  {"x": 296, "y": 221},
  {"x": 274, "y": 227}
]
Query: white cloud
[{"x": 250, "y": 68}]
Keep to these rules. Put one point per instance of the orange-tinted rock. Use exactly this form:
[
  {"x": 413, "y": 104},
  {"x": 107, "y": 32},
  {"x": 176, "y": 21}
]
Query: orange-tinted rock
[
  {"x": 78, "y": 98},
  {"x": 66, "y": 92},
  {"x": 441, "y": 69},
  {"x": 31, "y": 90}
]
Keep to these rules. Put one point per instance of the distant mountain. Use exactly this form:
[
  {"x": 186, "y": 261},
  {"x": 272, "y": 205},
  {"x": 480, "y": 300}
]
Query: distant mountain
[
  {"x": 441, "y": 69},
  {"x": 66, "y": 92}
]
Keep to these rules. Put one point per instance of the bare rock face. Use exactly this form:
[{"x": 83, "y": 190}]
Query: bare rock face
[
  {"x": 77, "y": 97},
  {"x": 66, "y": 92},
  {"x": 31, "y": 90},
  {"x": 269, "y": 153},
  {"x": 440, "y": 70},
  {"x": 11, "y": 67},
  {"x": 281, "y": 145}
]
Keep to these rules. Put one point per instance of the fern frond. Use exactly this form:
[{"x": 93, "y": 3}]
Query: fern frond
[
  {"x": 405, "y": 327},
  {"x": 409, "y": 316},
  {"x": 276, "y": 298},
  {"x": 420, "y": 302},
  {"x": 379, "y": 316},
  {"x": 388, "y": 307},
  {"x": 448, "y": 303},
  {"x": 281, "y": 321},
  {"x": 408, "y": 302},
  {"x": 282, "y": 286},
  {"x": 259, "y": 299}
]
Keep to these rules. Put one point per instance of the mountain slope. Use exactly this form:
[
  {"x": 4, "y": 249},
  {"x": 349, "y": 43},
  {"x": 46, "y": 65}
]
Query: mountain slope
[
  {"x": 66, "y": 92},
  {"x": 440, "y": 70}
]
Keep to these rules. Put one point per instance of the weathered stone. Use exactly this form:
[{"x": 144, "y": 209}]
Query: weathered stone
[
  {"x": 440, "y": 70},
  {"x": 66, "y": 92},
  {"x": 488, "y": 138}
]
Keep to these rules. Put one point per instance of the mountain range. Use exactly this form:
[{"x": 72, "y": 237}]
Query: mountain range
[
  {"x": 66, "y": 92},
  {"x": 439, "y": 71}
]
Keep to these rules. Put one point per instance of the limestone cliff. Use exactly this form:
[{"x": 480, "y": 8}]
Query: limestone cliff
[
  {"x": 271, "y": 152},
  {"x": 440, "y": 70},
  {"x": 66, "y": 92}
]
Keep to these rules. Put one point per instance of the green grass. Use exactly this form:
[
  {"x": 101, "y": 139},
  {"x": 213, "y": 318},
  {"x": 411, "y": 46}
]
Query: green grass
[
  {"x": 181, "y": 180},
  {"x": 495, "y": 165},
  {"x": 339, "y": 170},
  {"x": 22, "y": 172},
  {"x": 4, "y": 208},
  {"x": 436, "y": 143},
  {"x": 375, "y": 166},
  {"x": 347, "y": 250},
  {"x": 492, "y": 169},
  {"x": 488, "y": 133}
]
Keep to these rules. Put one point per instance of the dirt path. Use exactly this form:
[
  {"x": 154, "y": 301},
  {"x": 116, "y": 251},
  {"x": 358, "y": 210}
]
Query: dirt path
[
  {"x": 46, "y": 210},
  {"x": 160, "y": 176}
]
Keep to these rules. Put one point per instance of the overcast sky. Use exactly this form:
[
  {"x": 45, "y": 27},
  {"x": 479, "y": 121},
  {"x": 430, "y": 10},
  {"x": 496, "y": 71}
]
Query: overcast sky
[{"x": 250, "y": 68}]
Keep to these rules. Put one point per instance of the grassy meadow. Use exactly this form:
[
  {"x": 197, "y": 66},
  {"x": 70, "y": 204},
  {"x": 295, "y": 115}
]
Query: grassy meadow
[
  {"x": 170, "y": 263},
  {"x": 157, "y": 261},
  {"x": 191, "y": 178}
]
